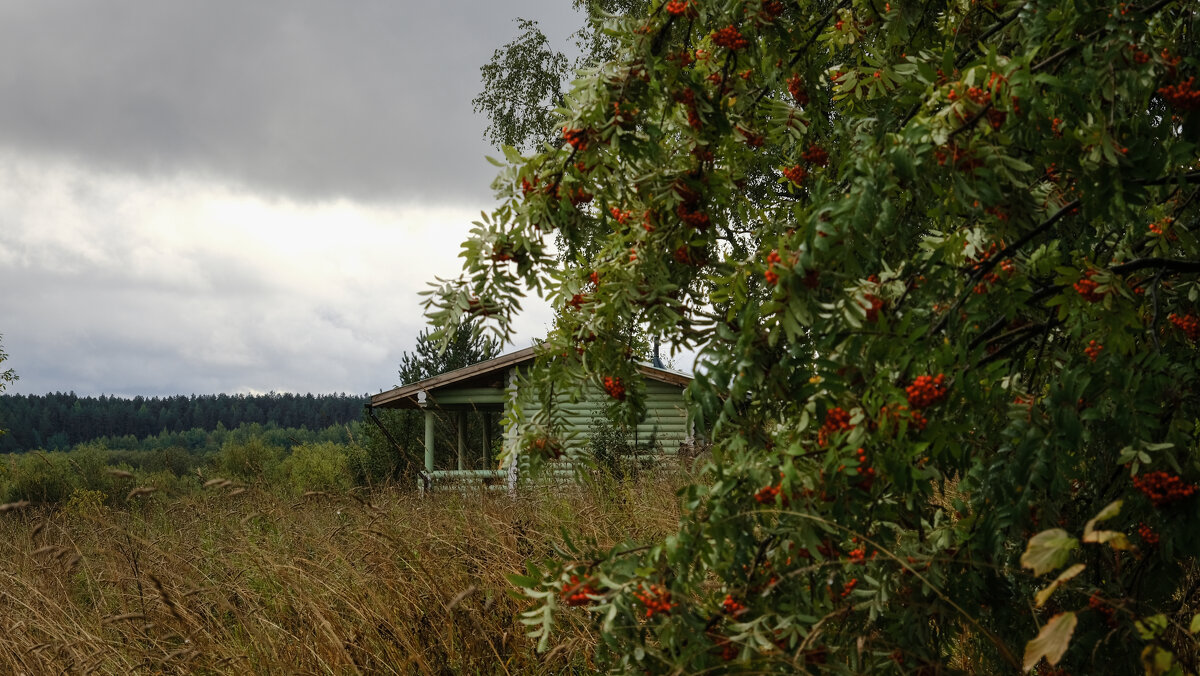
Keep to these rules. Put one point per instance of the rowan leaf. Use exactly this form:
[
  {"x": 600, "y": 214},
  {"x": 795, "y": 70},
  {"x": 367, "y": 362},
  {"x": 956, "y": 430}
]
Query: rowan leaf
[
  {"x": 1112, "y": 538},
  {"x": 1051, "y": 642},
  {"x": 1063, "y": 577},
  {"x": 1048, "y": 550}
]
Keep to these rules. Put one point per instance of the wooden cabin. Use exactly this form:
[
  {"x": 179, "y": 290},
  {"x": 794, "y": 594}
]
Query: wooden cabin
[{"x": 489, "y": 389}]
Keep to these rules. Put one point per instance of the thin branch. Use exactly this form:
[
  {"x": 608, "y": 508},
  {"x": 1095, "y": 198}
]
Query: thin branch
[
  {"x": 1005, "y": 350},
  {"x": 1162, "y": 264},
  {"x": 971, "y": 121},
  {"x": 1190, "y": 177},
  {"x": 1154, "y": 318},
  {"x": 1037, "y": 362}
]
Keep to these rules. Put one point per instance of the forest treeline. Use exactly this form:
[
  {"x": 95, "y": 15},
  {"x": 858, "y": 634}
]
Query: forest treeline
[{"x": 59, "y": 421}]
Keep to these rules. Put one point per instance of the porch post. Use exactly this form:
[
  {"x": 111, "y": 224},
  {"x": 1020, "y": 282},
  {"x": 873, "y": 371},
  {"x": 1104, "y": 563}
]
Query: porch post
[
  {"x": 487, "y": 439},
  {"x": 429, "y": 440},
  {"x": 462, "y": 438}
]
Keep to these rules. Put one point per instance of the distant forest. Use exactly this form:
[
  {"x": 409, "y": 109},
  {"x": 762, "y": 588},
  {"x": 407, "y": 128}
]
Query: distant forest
[{"x": 59, "y": 421}]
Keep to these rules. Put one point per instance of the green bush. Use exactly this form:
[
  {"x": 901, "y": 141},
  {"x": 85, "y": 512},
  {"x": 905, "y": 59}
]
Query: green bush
[
  {"x": 323, "y": 466},
  {"x": 614, "y": 452},
  {"x": 40, "y": 478},
  {"x": 251, "y": 459}
]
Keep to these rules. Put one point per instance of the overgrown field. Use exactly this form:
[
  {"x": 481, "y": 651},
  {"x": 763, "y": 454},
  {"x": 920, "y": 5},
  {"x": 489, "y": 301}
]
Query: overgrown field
[{"x": 244, "y": 580}]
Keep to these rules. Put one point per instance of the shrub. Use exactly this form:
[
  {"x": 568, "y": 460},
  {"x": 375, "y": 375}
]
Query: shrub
[
  {"x": 317, "y": 467},
  {"x": 919, "y": 247},
  {"x": 251, "y": 459}
]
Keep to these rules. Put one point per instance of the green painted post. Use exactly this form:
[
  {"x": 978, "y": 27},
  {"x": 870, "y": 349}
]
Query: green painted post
[
  {"x": 462, "y": 438},
  {"x": 487, "y": 439},
  {"x": 428, "y": 440}
]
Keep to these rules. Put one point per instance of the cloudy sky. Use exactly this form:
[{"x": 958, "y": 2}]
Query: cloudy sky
[{"x": 231, "y": 196}]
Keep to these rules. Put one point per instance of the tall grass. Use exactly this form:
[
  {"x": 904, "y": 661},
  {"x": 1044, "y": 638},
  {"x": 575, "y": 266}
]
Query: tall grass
[{"x": 240, "y": 580}]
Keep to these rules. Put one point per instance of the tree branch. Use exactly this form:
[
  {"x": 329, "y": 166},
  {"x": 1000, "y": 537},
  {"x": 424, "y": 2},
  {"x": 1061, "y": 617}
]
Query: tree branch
[
  {"x": 1164, "y": 264},
  {"x": 1007, "y": 252},
  {"x": 1190, "y": 177}
]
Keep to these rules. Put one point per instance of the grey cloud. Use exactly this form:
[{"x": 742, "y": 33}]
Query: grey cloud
[
  {"x": 120, "y": 336},
  {"x": 368, "y": 100}
]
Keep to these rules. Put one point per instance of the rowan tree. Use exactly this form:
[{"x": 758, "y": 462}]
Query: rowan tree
[{"x": 940, "y": 264}]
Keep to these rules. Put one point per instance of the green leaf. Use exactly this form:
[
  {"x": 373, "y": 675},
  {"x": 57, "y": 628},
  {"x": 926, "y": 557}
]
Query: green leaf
[
  {"x": 521, "y": 580},
  {"x": 1150, "y": 628},
  {"x": 1048, "y": 550},
  {"x": 1051, "y": 641},
  {"x": 1158, "y": 661}
]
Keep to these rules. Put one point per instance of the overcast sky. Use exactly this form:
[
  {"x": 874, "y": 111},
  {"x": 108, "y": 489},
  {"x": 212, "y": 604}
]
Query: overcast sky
[{"x": 232, "y": 196}]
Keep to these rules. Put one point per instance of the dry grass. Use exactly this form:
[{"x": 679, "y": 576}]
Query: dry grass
[{"x": 330, "y": 584}]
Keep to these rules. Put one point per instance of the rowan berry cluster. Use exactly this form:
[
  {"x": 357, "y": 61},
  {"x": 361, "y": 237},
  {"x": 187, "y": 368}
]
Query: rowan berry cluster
[
  {"x": 996, "y": 117},
  {"x": 1182, "y": 96},
  {"x": 752, "y": 139},
  {"x": 1104, "y": 609},
  {"x": 796, "y": 89},
  {"x": 656, "y": 599},
  {"x": 548, "y": 446},
  {"x": 579, "y": 196},
  {"x": 817, "y": 155},
  {"x": 773, "y": 259},
  {"x": 961, "y": 159},
  {"x": 772, "y": 9},
  {"x": 578, "y": 593},
  {"x": 689, "y": 255},
  {"x": 689, "y": 214},
  {"x": 1163, "y": 229},
  {"x": 1139, "y": 57},
  {"x": 874, "y": 305},
  {"x": 926, "y": 391},
  {"x": 1148, "y": 535},
  {"x": 895, "y": 413},
  {"x": 1188, "y": 323},
  {"x": 688, "y": 98},
  {"x": 576, "y": 137},
  {"x": 849, "y": 587},
  {"x": 476, "y": 308},
  {"x": 681, "y": 8},
  {"x": 1093, "y": 350},
  {"x": 502, "y": 252},
  {"x": 796, "y": 174},
  {"x": 863, "y": 467},
  {"x": 977, "y": 95},
  {"x": 1163, "y": 488},
  {"x": 1086, "y": 287},
  {"x": 732, "y": 607},
  {"x": 577, "y": 300},
  {"x": 614, "y": 387},
  {"x": 648, "y": 221},
  {"x": 983, "y": 256},
  {"x": 730, "y": 38},
  {"x": 767, "y": 495},
  {"x": 836, "y": 420},
  {"x": 621, "y": 216},
  {"x": 857, "y": 555}
]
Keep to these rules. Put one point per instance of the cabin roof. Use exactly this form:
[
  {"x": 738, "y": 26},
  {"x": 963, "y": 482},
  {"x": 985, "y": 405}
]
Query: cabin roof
[{"x": 489, "y": 373}]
